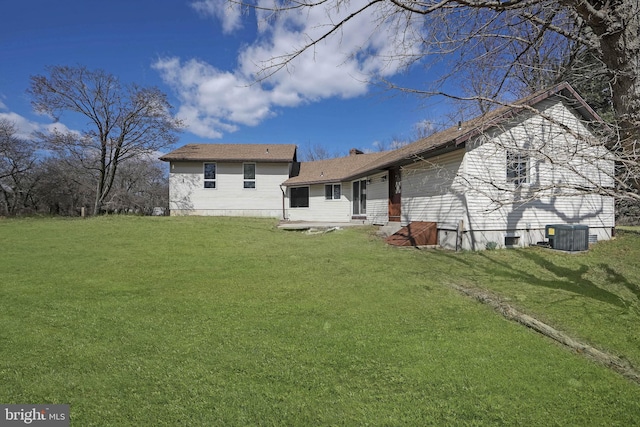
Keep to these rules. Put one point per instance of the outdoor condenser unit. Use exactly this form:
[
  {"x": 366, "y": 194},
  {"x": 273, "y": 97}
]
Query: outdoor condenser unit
[{"x": 568, "y": 237}]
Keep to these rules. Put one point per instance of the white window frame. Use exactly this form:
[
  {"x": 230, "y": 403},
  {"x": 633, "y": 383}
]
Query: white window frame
[
  {"x": 213, "y": 180},
  {"x": 332, "y": 194},
  {"x": 250, "y": 181},
  {"x": 517, "y": 167}
]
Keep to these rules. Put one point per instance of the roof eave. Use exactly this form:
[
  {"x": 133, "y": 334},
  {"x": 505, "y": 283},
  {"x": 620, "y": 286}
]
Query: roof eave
[{"x": 183, "y": 159}]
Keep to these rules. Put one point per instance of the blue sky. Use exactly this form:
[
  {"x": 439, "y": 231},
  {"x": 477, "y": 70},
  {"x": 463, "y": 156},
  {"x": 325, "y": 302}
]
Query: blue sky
[{"x": 205, "y": 55}]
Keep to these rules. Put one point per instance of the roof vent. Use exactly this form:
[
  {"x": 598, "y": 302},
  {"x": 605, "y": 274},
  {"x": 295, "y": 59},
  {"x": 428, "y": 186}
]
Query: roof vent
[{"x": 355, "y": 151}]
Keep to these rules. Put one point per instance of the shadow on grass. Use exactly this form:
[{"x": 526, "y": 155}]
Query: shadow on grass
[
  {"x": 617, "y": 278},
  {"x": 568, "y": 279}
]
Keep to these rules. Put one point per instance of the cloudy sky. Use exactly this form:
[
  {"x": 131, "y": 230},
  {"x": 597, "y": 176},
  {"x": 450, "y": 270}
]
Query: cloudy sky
[{"x": 210, "y": 59}]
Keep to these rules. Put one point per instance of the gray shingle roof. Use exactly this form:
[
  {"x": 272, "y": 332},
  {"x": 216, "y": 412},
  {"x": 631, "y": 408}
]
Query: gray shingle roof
[
  {"x": 233, "y": 153},
  {"x": 456, "y": 136},
  {"x": 332, "y": 170}
]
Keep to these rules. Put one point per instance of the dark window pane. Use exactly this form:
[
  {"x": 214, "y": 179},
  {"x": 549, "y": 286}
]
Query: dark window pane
[
  {"x": 356, "y": 198},
  {"x": 299, "y": 197},
  {"x": 363, "y": 197},
  {"x": 209, "y": 171},
  {"x": 336, "y": 192},
  {"x": 328, "y": 192},
  {"x": 249, "y": 184},
  {"x": 209, "y": 184},
  {"x": 517, "y": 166},
  {"x": 249, "y": 171}
]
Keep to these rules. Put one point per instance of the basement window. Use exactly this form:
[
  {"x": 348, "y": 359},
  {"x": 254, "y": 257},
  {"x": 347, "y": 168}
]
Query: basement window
[{"x": 511, "y": 240}]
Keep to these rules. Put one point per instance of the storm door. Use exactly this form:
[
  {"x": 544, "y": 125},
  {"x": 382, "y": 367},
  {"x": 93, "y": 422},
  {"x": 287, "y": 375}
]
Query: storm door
[
  {"x": 395, "y": 195},
  {"x": 360, "y": 198}
]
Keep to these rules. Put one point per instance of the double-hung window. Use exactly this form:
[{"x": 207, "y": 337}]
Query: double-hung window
[
  {"x": 332, "y": 192},
  {"x": 517, "y": 167},
  {"x": 209, "y": 175},
  {"x": 249, "y": 175}
]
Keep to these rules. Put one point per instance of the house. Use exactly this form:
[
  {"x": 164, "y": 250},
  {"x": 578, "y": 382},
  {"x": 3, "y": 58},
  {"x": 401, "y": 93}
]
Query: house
[
  {"x": 229, "y": 179},
  {"x": 498, "y": 179}
]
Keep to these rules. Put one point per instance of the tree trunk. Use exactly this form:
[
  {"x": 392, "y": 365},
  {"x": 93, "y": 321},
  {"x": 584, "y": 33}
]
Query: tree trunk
[{"x": 617, "y": 27}]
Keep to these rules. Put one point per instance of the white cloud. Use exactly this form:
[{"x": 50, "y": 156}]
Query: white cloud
[
  {"x": 227, "y": 12},
  {"x": 213, "y": 101},
  {"x": 25, "y": 127},
  {"x": 424, "y": 126},
  {"x": 216, "y": 101}
]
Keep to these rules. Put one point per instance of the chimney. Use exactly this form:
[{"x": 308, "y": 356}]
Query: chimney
[{"x": 354, "y": 152}]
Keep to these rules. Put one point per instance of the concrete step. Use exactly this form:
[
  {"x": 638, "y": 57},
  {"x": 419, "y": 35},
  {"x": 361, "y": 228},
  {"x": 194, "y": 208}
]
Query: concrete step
[{"x": 389, "y": 229}]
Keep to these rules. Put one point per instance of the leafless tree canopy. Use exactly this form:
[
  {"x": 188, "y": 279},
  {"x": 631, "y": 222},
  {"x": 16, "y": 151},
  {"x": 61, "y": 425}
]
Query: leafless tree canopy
[
  {"x": 509, "y": 46},
  {"x": 123, "y": 123},
  {"x": 17, "y": 160}
]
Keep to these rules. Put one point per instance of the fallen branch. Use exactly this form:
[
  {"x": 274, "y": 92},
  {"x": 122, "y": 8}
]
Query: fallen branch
[{"x": 615, "y": 363}]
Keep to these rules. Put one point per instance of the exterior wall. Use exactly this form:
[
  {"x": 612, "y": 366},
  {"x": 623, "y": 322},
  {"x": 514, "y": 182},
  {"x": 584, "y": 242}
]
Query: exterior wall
[
  {"x": 378, "y": 199},
  {"x": 432, "y": 191},
  {"x": 188, "y": 196},
  {"x": 320, "y": 209},
  {"x": 559, "y": 162},
  {"x": 470, "y": 185}
]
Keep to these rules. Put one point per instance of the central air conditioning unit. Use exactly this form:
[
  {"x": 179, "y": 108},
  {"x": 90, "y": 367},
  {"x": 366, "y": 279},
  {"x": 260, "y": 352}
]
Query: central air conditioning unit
[{"x": 567, "y": 237}]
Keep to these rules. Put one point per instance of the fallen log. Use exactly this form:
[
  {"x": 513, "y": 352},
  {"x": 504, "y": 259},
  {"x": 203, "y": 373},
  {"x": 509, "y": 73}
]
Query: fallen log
[{"x": 615, "y": 363}]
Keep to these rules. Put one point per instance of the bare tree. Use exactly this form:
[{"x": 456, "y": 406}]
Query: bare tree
[
  {"x": 312, "y": 152},
  {"x": 125, "y": 122},
  {"x": 17, "y": 161},
  {"x": 513, "y": 44},
  {"x": 63, "y": 186},
  {"x": 141, "y": 185}
]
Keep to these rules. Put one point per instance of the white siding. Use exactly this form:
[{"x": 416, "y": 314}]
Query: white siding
[
  {"x": 432, "y": 191},
  {"x": 471, "y": 184},
  {"x": 322, "y": 210},
  {"x": 189, "y": 197},
  {"x": 378, "y": 199},
  {"x": 558, "y": 162}
]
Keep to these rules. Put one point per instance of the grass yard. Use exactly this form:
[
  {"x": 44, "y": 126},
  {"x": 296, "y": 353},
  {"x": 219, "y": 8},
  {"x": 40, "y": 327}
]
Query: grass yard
[{"x": 224, "y": 321}]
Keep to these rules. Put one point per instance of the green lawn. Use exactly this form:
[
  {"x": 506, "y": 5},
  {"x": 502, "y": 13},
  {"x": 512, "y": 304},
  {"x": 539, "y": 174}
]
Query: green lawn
[{"x": 223, "y": 321}]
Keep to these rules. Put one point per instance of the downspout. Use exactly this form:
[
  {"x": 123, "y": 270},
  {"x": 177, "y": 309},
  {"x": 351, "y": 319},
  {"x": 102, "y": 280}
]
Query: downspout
[
  {"x": 459, "y": 231},
  {"x": 284, "y": 215}
]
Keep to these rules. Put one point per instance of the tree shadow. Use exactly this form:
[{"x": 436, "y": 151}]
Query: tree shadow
[
  {"x": 568, "y": 279},
  {"x": 617, "y": 278},
  {"x": 572, "y": 280}
]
